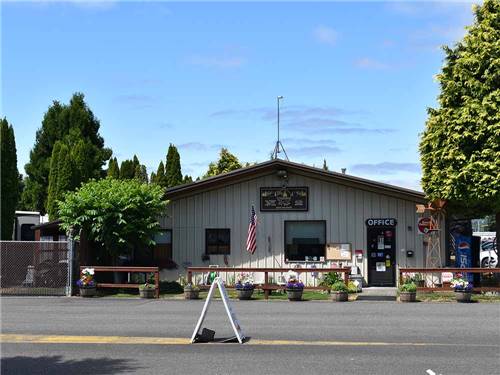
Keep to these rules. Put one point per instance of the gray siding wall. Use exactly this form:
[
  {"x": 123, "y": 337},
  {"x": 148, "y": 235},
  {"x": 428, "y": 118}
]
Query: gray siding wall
[{"x": 345, "y": 210}]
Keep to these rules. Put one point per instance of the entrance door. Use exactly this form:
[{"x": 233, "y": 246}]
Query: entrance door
[{"x": 382, "y": 256}]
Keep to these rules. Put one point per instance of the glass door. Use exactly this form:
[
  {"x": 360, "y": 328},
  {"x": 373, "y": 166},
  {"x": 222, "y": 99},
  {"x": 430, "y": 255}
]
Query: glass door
[{"x": 381, "y": 256}]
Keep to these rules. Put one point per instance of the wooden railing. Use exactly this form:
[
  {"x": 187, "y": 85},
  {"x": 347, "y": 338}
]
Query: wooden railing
[
  {"x": 267, "y": 287},
  {"x": 153, "y": 270},
  {"x": 432, "y": 278}
]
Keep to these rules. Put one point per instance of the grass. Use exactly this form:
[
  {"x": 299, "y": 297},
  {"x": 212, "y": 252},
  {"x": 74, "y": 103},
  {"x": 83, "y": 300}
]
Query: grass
[{"x": 450, "y": 297}]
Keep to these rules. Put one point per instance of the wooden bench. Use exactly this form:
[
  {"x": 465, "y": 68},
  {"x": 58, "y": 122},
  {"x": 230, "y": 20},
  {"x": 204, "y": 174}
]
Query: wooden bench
[{"x": 154, "y": 270}]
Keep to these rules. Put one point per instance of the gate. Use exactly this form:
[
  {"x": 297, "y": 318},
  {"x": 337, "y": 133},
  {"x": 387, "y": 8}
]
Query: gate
[{"x": 36, "y": 268}]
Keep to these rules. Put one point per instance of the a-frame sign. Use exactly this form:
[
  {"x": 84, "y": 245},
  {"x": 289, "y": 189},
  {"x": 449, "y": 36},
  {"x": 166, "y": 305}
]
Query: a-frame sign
[{"x": 230, "y": 313}]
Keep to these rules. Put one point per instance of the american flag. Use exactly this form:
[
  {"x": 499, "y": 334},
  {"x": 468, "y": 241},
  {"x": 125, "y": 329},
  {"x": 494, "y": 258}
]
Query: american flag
[{"x": 252, "y": 229}]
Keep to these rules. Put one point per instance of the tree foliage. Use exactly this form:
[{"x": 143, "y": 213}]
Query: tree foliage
[
  {"x": 119, "y": 214},
  {"x": 460, "y": 147},
  {"x": 113, "y": 168},
  {"x": 159, "y": 177},
  {"x": 173, "y": 173},
  {"x": 227, "y": 162},
  {"x": 10, "y": 179},
  {"x": 77, "y": 127}
]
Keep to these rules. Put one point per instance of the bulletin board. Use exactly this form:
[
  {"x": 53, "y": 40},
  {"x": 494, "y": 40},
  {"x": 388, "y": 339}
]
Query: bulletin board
[{"x": 338, "y": 251}]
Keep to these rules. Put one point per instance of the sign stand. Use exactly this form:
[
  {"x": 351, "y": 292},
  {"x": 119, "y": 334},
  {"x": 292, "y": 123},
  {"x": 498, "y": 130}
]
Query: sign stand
[{"x": 196, "y": 337}]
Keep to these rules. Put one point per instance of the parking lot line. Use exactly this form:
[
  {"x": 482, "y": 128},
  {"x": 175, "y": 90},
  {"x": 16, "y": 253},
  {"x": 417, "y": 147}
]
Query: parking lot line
[{"x": 124, "y": 340}]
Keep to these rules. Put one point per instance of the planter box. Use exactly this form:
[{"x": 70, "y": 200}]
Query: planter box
[
  {"x": 244, "y": 294},
  {"x": 87, "y": 292},
  {"x": 191, "y": 294},
  {"x": 147, "y": 293},
  {"x": 463, "y": 296},
  {"x": 407, "y": 296},
  {"x": 294, "y": 294},
  {"x": 339, "y": 296}
]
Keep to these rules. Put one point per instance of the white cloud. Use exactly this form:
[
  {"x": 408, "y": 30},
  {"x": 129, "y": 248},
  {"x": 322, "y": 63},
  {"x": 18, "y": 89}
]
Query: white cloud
[{"x": 325, "y": 35}]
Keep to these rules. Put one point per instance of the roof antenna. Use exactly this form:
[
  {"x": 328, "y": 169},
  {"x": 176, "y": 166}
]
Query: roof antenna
[{"x": 279, "y": 145}]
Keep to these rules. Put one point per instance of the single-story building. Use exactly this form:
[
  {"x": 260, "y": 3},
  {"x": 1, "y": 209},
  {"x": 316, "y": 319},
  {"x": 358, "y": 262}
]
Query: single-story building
[{"x": 305, "y": 216}]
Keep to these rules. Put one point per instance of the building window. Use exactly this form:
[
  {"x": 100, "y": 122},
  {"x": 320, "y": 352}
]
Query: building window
[
  {"x": 217, "y": 241},
  {"x": 27, "y": 234},
  {"x": 163, "y": 247},
  {"x": 305, "y": 240}
]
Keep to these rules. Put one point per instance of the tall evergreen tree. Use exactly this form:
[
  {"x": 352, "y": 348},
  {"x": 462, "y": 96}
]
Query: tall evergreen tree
[
  {"x": 460, "y": 147},
  {"x": 141, "y": 173},
  {"x": 72, "y": 123},
  {"x": 63, "y": 175},
  {"x": 113, "y": 169},
  {"x": 227, "y": 162},
  {"x": 52, "y": 191},
  {"x": 187, "y": 179},
  {"x": 173, "y": 173},
  {"x": 10, "y": 179},
  {"x": 159, "y": 177},
  {"x": 127, "y": 170}
]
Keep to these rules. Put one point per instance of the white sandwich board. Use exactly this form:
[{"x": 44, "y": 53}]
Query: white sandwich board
[{"x": 230, "y": 313}]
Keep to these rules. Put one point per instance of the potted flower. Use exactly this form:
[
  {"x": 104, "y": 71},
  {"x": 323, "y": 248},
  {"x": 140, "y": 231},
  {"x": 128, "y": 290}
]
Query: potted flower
[
  {"x": 463, "y": 289},
  {"x": 86, "y": 283},
  {"x": 191, "y": 291},
  {"x": 419, "y": 280},
  {"x": 408, "y": 292},
  {"x": 339, "y": 291},
  {"x": 244, "y": 286},
  {"x": 294, "y": 287},
  {"x": 147, "y": 290}
]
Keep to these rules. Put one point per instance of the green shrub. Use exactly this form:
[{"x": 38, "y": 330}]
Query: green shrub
[
  {"x": 339, "y": 287},
  {"x": 330, "y": 278},
  {"x": 408, "y": 287},
  {"x": 351, "y": 287},
  {"x": 171, "y": 287}
]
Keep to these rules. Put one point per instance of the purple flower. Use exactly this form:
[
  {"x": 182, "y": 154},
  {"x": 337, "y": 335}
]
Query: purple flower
[
  {"x": 244, "y": 286},
  {"x": 298, "y": 285}
]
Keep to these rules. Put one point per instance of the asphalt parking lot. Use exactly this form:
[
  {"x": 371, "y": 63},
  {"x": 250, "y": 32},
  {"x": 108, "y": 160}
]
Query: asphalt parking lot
[{"x": 371, "y": 337}]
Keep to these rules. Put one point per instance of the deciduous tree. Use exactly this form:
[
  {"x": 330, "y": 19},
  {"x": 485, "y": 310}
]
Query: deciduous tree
[{"x": 460, "y": 147}]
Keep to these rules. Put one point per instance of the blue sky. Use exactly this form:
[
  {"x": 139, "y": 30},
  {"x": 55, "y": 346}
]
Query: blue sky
[{"x": 357, "y": 77}]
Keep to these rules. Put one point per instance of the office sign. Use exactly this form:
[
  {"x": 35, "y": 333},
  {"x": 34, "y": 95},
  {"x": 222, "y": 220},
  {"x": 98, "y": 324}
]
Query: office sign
[
  {"x": 284, "y": 199},
  {"x": 383, "y": 222}
]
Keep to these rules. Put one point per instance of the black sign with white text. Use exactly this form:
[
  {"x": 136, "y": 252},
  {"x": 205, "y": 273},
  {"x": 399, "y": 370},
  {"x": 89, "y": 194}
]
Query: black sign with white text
[{"x": 284, "y": 199}]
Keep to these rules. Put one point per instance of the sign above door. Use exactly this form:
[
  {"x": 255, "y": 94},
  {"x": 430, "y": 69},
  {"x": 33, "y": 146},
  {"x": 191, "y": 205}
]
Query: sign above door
[{"x": 383, "y": 222}]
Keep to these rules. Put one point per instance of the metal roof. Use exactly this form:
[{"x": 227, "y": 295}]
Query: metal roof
[{"x": 275, "y": 164}]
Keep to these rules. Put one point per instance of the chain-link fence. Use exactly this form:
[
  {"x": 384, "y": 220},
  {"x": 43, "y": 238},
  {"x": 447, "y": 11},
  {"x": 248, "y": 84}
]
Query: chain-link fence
[{"x": 41, "y": 268}]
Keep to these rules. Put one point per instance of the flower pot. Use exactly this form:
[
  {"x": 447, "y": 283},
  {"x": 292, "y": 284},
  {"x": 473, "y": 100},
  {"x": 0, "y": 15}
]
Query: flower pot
[
  {"x": 87, "y": 292},
  {"x": 191, "y": 294},
  {"x": 147, "y": 293},
  {"x": 407, "y": 296},
  {"x": 462, "y": 296},
  {"x": 339, "y": 296},
  {"x": 244, "y": 294},
  {"x": 294, "y": 294}
]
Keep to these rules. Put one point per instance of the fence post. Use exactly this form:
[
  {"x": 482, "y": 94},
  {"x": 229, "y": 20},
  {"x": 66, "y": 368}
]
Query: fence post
[
  {"x": 157, "y": 283},
  {"x": 70, "y": 255}
]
